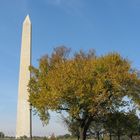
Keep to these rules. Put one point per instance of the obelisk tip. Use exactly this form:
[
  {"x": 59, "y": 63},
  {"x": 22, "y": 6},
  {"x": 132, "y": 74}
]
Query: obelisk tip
[{"x": 27, "y": 19}]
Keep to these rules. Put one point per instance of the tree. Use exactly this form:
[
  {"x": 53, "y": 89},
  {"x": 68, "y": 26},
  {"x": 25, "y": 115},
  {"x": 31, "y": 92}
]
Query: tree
[
  {"x": 84, "y": 85},
  {"x": 120, "y": 123},
  {"x": 72, "y": 125},
  {"x": 96, "y": 128},
  {"x": 2, "y": 135},
  {"x": 116, "y": 124},
  {"x": 132, "y": 124}
]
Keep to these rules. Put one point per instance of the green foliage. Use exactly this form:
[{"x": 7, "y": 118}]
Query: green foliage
[
  {"x": 45, "y": 138},
  {"x": 116, "y": 123},
  {"x": 2, "y": 135},
  {"x": 72, "y": 125},
  {"x": 65, "y": 136},
  {"x": 120, "y": 123},
  {"x": 23, "y": 138},
  {"x": 132, "y": 125}
]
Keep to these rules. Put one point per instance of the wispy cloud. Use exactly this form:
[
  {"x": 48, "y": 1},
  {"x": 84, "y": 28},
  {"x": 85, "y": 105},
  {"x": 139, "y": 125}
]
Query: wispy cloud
[
  {"x": 73, "y": 8},
  {"x": 55, "y": 2},
  {"x": 69, "y": 6}
]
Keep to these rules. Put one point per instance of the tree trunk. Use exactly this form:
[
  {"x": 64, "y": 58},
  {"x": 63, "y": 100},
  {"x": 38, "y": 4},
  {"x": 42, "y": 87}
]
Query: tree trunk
[
  {"x": 110, "y": 136},
  {"x": 118, "y": 136},
  {"x": 131, "y": 137},
  {"x": 98, "y": 136},
  {"x": 78, "y": 137},
  {"x": 82, "y": 134},
  {"x": 83, "y": 128}
]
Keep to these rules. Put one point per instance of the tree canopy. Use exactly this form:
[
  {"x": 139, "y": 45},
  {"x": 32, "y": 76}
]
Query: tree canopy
[{"x": 84, "y": 85}]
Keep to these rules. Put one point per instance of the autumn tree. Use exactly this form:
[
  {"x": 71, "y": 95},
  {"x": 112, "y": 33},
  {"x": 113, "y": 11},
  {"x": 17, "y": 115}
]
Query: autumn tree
[{"x": 83, "y": 85}]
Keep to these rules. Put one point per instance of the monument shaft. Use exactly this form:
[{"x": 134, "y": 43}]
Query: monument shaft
[{"x": 23, "y": 107}]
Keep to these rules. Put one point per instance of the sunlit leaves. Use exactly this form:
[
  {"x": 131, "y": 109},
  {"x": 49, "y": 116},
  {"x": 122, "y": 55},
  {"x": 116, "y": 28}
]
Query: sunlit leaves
[{"x": 83, "y": 84}]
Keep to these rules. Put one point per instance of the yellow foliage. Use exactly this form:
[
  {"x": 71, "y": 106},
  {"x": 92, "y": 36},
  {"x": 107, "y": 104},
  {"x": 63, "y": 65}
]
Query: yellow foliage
[{"x": 82, "y": 84}]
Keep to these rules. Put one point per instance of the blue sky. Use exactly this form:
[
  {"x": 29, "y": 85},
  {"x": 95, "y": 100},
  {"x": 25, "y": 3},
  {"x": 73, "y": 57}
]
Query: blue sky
[{"x": 104, "y": 25}]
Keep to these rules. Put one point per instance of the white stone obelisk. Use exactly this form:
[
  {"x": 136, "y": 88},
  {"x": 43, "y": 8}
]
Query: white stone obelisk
[{"x": 23, "y": 108}]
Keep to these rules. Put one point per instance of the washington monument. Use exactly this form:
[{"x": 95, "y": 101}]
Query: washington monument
[{"x": 23, "y": 126}]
